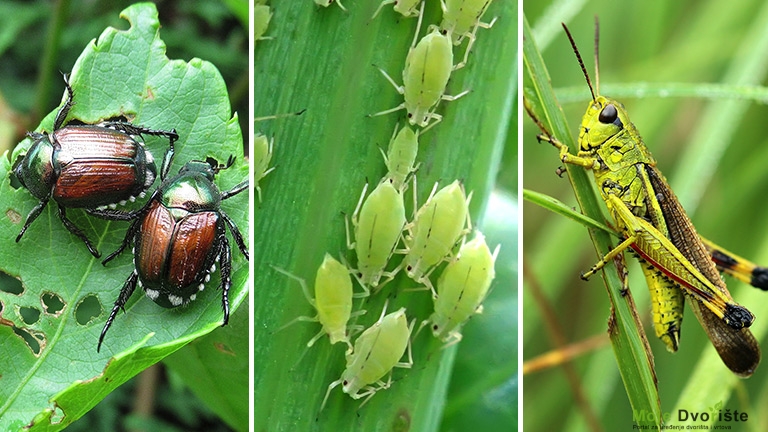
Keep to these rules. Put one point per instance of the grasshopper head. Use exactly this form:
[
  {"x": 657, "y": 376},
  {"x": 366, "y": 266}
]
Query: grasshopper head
[{"x": 605, "y": 118}]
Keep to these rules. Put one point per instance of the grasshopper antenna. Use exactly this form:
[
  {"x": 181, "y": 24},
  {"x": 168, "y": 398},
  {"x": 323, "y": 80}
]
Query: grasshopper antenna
[
  {"x": 581, "y": 62},
  {"x": 597, "y": 56}
]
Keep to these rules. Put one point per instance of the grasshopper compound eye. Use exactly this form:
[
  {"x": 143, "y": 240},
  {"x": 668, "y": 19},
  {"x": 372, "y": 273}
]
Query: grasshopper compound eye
[{"x": 609, "y": 114}]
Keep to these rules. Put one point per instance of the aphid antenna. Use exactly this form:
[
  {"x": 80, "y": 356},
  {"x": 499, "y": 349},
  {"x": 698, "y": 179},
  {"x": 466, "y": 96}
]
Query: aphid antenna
[{"x": 278, "y": 116}]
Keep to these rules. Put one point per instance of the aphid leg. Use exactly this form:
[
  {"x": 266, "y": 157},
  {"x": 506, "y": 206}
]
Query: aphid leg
[
  {"x": 409, "y": 363},
  {"x": 388, "y": 276},
  {"x": 381, "y": 6},
  {"x": 356, "y": 274},
  {"x": 302, "y": 283},
  {"x": 437, "y": 119},
  {"x": 454, "y": 337},
  {"x": 328, "y": 392},
  {"x": 418, "y": 27},
  {"x": 302, "y": 319},
  {"x": 371, "y": 390},
  {"x": 400, "y": 88},
  {"x": 472, "y": 38}
]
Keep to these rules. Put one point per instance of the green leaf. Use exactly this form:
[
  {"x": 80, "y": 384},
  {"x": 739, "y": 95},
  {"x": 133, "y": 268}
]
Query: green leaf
[
  {"x": 123, "y": 72},
  {"x": 321, "y": 59},
  {"x": 215, "y": 367}
]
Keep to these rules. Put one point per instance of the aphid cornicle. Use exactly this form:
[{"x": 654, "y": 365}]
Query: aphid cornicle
[
  {"x": 178, "y": 236},
  {"x": 401, "y": 157},
  {"x": 332, "y": 301},
  {"x": 428, "y": 67},
  {"x": 86, "y": 166},
  {"x": 378, "y": 223},
  {"x": 377, "y": 351},
  {"x": 461, "y": 289},
  {"x": 436, "y": 228}
]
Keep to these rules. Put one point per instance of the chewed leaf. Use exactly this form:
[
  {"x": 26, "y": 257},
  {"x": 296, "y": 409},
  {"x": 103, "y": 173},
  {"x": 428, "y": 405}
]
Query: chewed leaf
[{"x": 121, "y": 73}]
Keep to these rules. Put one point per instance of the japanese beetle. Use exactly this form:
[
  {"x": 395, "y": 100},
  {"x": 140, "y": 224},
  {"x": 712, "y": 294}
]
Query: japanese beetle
[
  {"x": 178, "y": 236},
  {"x": 86, "y": 166}
]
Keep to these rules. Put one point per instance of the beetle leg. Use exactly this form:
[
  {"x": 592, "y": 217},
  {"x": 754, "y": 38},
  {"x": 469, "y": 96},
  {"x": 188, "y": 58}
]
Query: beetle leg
[
  {"x": 32, "y": 216},
  {"x": 125, "y": 294},
  {"x": 236, "y": 235},
  {"x": 76, "y": 231},
  {"x": 225, "y": 261},
  {"x": 114, "y": 214},
  {"x": 132, "y": 129},
  {"x": 62, "y": 114},
  {"x": 235, "y": 190},
  {"x": 167, "y": 160},
  {"x": 130, "y": 235}
]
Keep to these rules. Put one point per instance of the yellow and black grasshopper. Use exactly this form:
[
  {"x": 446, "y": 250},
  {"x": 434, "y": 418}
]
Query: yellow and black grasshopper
[{"x": 677, "y": 263}]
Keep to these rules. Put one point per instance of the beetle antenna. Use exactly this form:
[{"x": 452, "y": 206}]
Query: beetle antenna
[{"x": 581, "y": 62}]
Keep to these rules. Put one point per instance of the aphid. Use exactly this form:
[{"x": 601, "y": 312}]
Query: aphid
[
  {"x": 461, "y": 289},
  {"x": 262, "y": 156},
  {"x": 461, "y": 18},
  {"x": 378, "y": 224},
  {"x": 376, "y": 352},
  {"x": 86, "y": 166},
  {"x": 179, "y": 236},
  {"x": 262, "y": 14},
  {"x": 400, "y": 157},
  {"x": 436, "y": 229},
  {"x": 326, "y": 3},
  {"x": 333, "y": 301},
  {"x": 406, "y": 8},
  {"x": 428, "y": 67}
]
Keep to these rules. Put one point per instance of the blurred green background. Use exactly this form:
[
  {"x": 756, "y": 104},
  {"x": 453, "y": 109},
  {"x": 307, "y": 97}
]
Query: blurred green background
[{"x": 712, "y": 151}]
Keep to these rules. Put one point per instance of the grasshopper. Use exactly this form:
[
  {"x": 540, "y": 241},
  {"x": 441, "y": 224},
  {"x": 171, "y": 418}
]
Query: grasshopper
[{"x": 675, "y": 261}]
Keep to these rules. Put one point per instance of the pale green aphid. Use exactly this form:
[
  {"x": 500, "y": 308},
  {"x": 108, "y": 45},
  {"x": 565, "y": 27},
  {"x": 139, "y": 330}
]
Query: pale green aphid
[
  {"x": 428, "y": 66},
  {"x": 461, "y": 18},
  {"x": 461, "y": 289},
  {"x": 378, "y": 224},
  {"x": 332, "y": 301},
  {"x": 262, "y": 14},
  {"x": 401, "y": 156},
  {"x": 436, "y": 228},
  {"x": 262, "y": 156},
  {"x": 377, "y": 351},
  {"x": 406, "y": 8},
  {"x": 326, "y": 3}
]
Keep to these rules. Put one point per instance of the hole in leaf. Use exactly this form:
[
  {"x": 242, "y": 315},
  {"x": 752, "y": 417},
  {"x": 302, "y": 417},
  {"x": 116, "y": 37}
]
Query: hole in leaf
[
  {"x": 10, "y": 284},
  {"x": 34, "y": 340},
  {"x": 87, "y": 309},
  {"x": 29, "y": 315},
  {"x": 58, "y": 415},
  {"x": 15, "y": 183},
  {"x": 52, "y": 303}
]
